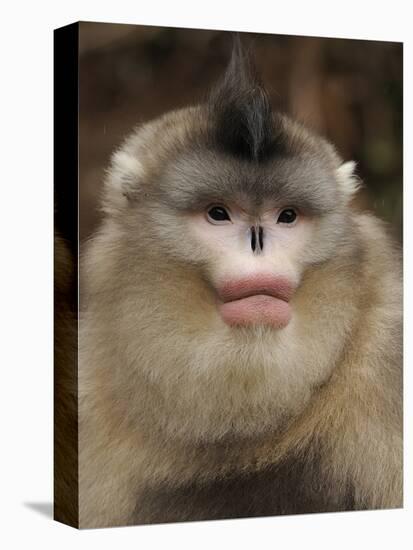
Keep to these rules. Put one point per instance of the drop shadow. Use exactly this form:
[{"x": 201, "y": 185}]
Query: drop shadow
[{"x": 43, "y": 508}]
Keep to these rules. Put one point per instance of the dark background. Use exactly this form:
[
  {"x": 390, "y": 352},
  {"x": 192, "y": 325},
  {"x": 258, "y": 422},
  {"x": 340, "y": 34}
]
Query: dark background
[{"x": 348, "y": 90}]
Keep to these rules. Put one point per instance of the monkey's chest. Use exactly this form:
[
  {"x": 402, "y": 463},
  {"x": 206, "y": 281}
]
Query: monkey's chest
[{"x": 290, "y": 489}]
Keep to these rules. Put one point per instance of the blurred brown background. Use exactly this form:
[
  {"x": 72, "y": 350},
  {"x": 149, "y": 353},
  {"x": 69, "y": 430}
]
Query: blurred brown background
[{"x": 349, "y": 90}]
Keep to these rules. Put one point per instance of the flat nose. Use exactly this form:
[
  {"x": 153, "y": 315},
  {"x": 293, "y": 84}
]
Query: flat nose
[{"x": 257, "y": 239}]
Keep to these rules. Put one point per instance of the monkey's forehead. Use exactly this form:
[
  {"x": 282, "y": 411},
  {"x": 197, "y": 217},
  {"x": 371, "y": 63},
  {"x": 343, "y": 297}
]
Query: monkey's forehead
[
  {"x": 181, "y": 163},
  {"x": 199, "y": 177}
]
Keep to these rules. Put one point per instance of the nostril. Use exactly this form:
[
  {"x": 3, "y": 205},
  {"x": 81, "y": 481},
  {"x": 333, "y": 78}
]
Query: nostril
[
  {"x": 261, "y": 238},
  {"x": 253, "y": 239}
]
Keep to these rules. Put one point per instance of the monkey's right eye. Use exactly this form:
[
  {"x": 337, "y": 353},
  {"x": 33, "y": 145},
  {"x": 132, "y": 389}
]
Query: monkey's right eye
[{"x": 218, "y": 214}]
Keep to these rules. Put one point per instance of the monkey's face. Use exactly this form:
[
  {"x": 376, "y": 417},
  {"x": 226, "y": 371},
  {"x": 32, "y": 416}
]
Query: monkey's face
[{"x": 250, "y": 231}]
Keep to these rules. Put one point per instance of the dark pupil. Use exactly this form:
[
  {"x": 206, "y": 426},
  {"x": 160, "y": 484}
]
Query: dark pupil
[
  {"x": 287, "y": 216},
  {"x": 218, "y": 214}
]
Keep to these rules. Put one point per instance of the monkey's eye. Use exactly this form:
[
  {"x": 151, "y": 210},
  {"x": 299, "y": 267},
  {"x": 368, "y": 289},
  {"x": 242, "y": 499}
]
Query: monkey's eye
[
  {"x": 289, "y": 215},
  {"x": 218, "y": 214}
]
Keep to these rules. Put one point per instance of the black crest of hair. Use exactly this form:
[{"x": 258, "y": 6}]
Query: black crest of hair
[{"x": 240, "y": 109}]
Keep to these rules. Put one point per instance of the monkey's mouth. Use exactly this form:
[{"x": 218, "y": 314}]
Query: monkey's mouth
[{"x": 256, "y": 300}]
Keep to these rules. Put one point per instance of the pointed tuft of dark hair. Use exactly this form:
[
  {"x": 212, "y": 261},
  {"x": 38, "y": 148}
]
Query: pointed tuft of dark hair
[{"x": 242, "y": 120}]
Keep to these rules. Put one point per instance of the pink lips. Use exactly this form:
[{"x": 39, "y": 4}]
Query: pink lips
[{"x": 259, "y": 299}]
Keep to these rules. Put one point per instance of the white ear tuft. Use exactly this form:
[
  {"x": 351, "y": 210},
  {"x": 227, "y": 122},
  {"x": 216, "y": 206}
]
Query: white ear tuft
[
  {"x": 122, "y": 179},
  {"x": 348, "y": 182},
  {"x": 126, "y": 170}
]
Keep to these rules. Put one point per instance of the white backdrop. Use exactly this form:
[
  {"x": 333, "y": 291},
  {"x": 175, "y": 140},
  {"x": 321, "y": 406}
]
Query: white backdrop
[{"x": 26, "y": 270}]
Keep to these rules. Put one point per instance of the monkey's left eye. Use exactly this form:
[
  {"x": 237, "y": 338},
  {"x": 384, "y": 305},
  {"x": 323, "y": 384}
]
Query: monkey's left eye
[
  {"x": 218, "y": 214},
  {"x": 288, "y": 215}
]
